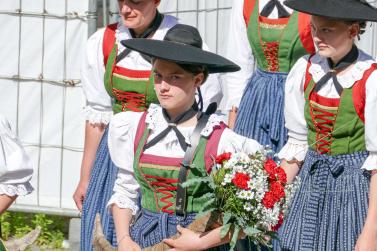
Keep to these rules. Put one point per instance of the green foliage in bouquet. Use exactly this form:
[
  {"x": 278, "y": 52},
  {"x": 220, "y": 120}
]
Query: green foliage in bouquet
[{"x": 249, "y": 193}]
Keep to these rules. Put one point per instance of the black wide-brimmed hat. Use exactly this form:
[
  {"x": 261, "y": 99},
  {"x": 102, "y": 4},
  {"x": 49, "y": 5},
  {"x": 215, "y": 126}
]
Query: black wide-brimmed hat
[
  {"x": 182, "y": 44},
  {"x": 349, "y": 10}
]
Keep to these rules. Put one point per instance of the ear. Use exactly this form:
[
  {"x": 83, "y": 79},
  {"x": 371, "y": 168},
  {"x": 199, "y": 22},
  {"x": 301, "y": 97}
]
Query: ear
[
  {"x": 354, "y": 30},
  {"x": 157, "y": 2},
  {"x": 199, "y": 79}
]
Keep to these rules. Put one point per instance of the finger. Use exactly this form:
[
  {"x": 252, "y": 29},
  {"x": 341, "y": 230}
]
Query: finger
[
  {"x": 78, "y": 202},
  {"x": 169, "y": 242}
]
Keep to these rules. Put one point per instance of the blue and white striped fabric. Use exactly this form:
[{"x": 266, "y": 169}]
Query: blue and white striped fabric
[
  {"x": 100, "y": 189},
  {"x": 151, "y": 228},
  {"x": 261, "y": 111},
  {"x": 329, "y": 209}
]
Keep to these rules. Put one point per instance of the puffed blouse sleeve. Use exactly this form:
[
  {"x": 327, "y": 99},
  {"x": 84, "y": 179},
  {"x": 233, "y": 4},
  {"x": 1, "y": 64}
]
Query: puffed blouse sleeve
[
  {"x": 296, "y": 146},
  {"x": 122, "y": 131},
  {"x": 239, "y": 51},
  {"x": 233, "y": 142},
  {"x": 15, "y": 166},
  {"x": 371, "y": 122},
  {"x": 98, "y": 109}
]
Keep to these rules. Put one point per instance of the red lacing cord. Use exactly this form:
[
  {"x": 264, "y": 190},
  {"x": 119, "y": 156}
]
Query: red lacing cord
[
  {"x": 130, "y": 100},
  {"x": 164, "y": 186},
  {"x": 324, "y": 123},
  {"x": 271, "y": 50}
]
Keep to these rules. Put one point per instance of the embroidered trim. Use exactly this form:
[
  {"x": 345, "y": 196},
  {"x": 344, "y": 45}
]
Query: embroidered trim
[
  {"x": 270, "y": 51},
  {"x": 116, "y": 74},
  {"x": 160, "y": 167},
  {"x": 272, "y": 26}
]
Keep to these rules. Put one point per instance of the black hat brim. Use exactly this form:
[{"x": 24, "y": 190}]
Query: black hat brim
[
  {"x": 181, "y": 53},
  {"x": 351, "y": 10}
]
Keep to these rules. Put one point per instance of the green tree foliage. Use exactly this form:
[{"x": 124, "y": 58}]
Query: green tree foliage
[{"x": 54, "y": 229}]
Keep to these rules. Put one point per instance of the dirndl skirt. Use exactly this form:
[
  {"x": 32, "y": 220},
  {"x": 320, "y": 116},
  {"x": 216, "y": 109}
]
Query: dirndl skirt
[
  {"x": 100, "y": 189},
  {"x": 329, "y": 209},
  {"x": 261, "y": 112},
  {"x": 151, "y": 228}
]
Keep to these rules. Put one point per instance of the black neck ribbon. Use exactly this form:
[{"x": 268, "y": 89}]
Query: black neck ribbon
[
  {"x": 346, "y": 61},
  {"x": 153, "y": 27},
  {"x": 172, "y": 125},
  {"x": 271, "y": 5}
]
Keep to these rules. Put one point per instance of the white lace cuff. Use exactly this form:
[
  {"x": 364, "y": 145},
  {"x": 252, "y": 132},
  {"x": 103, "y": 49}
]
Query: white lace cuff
[
  {"x": 123, "y": 202},
  {"x": 16, "y": 189},
  {"x": 294, "y": 149},
  {"x": 370, "y": 163},
  {"x": 97, "y": 117}
]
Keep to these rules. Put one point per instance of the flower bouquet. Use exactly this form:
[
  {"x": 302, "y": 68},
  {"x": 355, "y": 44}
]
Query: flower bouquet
[{"x": 250, "y": 195}]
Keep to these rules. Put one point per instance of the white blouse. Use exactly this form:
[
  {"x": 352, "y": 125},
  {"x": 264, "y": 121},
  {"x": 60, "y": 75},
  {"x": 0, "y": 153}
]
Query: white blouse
[
  {"x": 15, "y": 166},
  {"x": 99, "y": 103},
  {"x": 122, "y": 131},
  {"x": 297, "y": 146},
  {"x": 239, "y": 51}
]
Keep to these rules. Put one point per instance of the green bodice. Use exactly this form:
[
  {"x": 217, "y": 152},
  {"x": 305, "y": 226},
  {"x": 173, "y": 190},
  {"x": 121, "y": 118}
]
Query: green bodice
[
  {"x": 158, "y": 176},
  {"x": 334, "y": 125},
  {"x": 278, "y": 43},
  {"x": 131, "y": 89}
]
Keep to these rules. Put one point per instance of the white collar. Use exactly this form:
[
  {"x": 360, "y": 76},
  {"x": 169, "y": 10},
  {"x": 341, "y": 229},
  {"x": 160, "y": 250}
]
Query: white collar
[
  {"x": 156, "y": 123},
  {"x": 319, "y": 68},
  {"x": 123, "y": 33}
]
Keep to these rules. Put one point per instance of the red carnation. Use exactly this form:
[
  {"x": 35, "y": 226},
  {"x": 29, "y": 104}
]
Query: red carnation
[
  {"x": 277, "y": 190},
  {"x": 270, "y": 166},
  {"x": 222, "y": 157},
  {"x": 282, "y": 176},
  {"x": 268, "y": 200},
  {"x": 240, "y": 180},
  {"x": 280, "y": 222}
]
